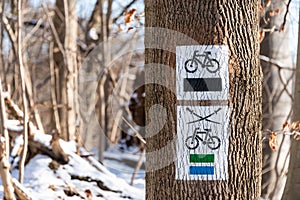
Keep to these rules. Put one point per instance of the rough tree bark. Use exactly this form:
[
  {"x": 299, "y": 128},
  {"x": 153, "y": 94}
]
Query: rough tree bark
[
  {"x": 232, "y": 23},
  {"x": 292, "y": 187}
]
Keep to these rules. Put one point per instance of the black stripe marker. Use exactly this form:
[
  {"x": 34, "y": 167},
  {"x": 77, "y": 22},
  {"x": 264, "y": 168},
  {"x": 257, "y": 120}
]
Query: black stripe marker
[{"x": 202, "y": 84}]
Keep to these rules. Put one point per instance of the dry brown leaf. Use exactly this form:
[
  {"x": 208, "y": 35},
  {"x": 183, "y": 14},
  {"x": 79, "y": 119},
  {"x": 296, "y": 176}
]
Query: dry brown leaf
[
  {"x": 297, "y": 135},
  {"x": 261, "y": 9},
  {"x": 261, "y": 35},
  {"x": 277, "y": 10},
  {"x": 89, "y": 194},
  {"x": 52, "y": 187},
  {"x": 130, "y": 28},
  {"x": 129, "y": 16},
  {"x": 295, "y": 126},
  {"x": 286, "y": 124},
  {"x": 273, "y": 142}
]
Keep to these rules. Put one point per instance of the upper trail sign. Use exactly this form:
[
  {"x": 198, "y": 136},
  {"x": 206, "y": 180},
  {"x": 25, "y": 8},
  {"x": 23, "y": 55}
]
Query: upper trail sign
[{"x": 202, "y": 72}]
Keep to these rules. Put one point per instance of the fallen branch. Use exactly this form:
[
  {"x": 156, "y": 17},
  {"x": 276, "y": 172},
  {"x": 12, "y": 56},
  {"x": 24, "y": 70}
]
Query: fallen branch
[
  {"x": 20, "y": 190},
  {"x": 55, "y": 152}
]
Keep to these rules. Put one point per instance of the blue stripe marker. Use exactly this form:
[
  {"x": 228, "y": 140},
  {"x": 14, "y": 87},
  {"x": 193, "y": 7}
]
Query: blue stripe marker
[{"x": 202, "y": 170}]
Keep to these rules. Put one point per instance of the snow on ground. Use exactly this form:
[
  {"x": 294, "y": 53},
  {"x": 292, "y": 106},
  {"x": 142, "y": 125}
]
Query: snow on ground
[
  {"x": 44, "y": 183},
  {"x": 123, "y": 163}
]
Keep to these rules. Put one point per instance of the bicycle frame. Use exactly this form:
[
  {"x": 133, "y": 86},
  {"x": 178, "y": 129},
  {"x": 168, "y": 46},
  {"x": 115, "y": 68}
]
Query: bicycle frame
[
  {"x": 196, "y": 56},
  {"x": 197, "y": 133}
]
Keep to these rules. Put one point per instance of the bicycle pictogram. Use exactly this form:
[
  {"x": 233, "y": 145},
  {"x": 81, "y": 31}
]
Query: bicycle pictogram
[
  {"x": 193, "y": 141},
  {"x": 204, "y": 60}
]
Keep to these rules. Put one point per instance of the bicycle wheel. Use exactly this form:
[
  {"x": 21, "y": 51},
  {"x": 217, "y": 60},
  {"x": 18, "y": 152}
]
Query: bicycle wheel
[
  {"x": 213, "y": 66},
  {"x": 190, "y": 66},
  {"x": 214, "y": 142},
  {"x": 190, "y": 143}
]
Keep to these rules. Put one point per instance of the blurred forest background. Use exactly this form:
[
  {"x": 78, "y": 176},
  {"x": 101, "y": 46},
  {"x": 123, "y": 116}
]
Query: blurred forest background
[{"x": 74, "y": 70}]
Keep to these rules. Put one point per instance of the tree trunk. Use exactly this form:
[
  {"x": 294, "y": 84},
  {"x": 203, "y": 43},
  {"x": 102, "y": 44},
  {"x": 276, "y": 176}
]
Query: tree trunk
[
  {"x": 277, "y": 103},
  {"x": 292, "y": 187},
  {"x": 4, "y": 150},
  {"x": 4, "y": 172},
  {"x": 234, "y": 24},
  {"x": 71, "y": 67},
  {"x": 66, "y": 62}
]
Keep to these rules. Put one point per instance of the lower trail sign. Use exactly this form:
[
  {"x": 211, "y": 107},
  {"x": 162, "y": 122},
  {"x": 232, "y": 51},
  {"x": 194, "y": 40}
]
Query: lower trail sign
[{"x": 202, "y": 142}]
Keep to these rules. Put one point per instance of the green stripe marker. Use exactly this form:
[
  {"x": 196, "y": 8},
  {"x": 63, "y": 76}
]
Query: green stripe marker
[{"x": 202, "y": 158}]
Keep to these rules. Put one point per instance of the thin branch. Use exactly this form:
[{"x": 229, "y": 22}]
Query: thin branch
[
  {"x": 53, "y": 94},
  {"x": 4, "y": 121},
  {"x": 11, "y": 33},
  {"x": 138, "y": 166},
  {"x": 285, "y": 15},
  {"x": 22, "y": 74},
  {"x": 275, "y": 63},
  {"x": 108, "y": 15},
  {"x": 35, "y": 29},
  {"x": 137, "y": 134},
  {"x": 124, "y": 10},
  {"x": 55, "y": 34}
]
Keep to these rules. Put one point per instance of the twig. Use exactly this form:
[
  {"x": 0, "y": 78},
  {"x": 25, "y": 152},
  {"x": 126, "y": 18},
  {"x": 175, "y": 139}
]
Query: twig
[
  {"x": 285, "y": 15},
  {"x": 124, "y": 10},
  {"x": 138, "y": 166},
  {"x": 55, "y": 34},
  {"x": 275, "y": 63},
  {"x": 11, "y": 33},
  {"x": 137, "y": 134},
  {"x": 35, "y": 29}
]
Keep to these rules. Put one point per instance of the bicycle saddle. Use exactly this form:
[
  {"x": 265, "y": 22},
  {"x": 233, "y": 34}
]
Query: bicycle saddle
[{"x": 207, "y": 52}]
